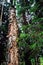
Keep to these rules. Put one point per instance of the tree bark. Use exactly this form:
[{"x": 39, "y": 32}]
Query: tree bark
[{"x": 13, "y": 35}]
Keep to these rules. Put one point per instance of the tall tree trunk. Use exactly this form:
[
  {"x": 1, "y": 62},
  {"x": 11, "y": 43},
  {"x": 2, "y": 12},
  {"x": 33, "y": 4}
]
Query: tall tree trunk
[{"x": 13, "y": 35}]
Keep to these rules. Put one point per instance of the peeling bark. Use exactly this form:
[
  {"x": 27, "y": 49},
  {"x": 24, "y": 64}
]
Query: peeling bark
[{"x": 13, "y": 35}]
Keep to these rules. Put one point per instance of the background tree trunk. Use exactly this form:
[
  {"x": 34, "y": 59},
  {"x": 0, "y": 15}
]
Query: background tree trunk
[
  {"x": 12, "y": 34},
  {"x": 24, "y": 18}
]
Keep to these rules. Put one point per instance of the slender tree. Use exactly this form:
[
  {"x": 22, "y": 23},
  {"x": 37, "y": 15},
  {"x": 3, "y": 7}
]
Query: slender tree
[{"x": 13, "y": 34}]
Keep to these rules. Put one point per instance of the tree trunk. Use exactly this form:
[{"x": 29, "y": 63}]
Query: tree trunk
[
  {"x": 1, "y": 13},
  {"x": 13, "y": 35},
  {"x": 36, "y": 60}
]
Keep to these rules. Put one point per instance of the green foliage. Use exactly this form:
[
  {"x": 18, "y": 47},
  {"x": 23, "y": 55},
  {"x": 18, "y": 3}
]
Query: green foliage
[
  {"x": 41, "y": 60},
  {"x": 34, "y": 8},
  {"x": 32, "y": 36},
  {"x": 32, "y": 61},
  {"x": 23, "y": 35}
]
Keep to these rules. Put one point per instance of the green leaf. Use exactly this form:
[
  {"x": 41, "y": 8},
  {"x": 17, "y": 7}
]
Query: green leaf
[
  {"x": 23, "y": 35},
  {"x": 33, "y": 46}
]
